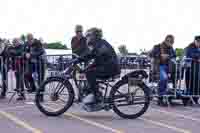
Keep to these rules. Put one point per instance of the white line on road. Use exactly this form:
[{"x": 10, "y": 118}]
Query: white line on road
[
  {"x": 166, "y": 126},
  {"x": 93, "y": 123},
  {"x": 16, "y": 107},
  {"x": 19, "y": 122}
]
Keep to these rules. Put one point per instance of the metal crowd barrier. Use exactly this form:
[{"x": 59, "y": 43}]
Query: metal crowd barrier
[
  {"x": 18, "y": 75},
  {"x": 183, "y": 81},
  {"x": 188, "y": 79}
]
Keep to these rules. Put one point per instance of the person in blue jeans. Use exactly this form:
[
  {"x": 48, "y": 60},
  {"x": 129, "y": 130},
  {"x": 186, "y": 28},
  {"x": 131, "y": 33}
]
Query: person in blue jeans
[
  {"x": 162, "y": 54},
  {"x": 163, "y": 79}
]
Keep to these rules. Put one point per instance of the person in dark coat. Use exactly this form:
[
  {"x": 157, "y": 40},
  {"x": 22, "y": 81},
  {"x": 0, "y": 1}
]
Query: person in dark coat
[
  {"x": 105, "y": 65},
  {"x": 35, "y": 62},
  {"x": 193, "y": 72}
]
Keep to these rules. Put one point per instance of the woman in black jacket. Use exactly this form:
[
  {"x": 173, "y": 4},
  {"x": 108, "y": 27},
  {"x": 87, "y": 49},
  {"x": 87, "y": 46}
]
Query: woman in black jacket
[{"x": 35, "y": 63}]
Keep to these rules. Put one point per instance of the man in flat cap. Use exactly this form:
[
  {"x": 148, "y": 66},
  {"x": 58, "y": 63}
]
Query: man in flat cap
[{"x": 78, "y": 42}]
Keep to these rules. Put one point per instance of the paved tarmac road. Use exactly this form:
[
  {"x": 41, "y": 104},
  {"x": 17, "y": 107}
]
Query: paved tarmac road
[{"x": 24, "y": 117}]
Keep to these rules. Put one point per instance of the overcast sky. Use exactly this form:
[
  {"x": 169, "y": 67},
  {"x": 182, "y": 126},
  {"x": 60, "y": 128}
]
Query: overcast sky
[{"x": 136, "y": 23}]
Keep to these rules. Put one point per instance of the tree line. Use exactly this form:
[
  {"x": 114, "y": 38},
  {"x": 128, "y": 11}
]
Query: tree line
[{"x": 124, "y": 51}]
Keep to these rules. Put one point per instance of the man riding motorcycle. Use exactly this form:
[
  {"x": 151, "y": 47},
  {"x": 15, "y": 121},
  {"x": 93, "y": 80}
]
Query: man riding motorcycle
[
  {"x": 105, "y": 64},
  {"x": 35, "y": 63}
]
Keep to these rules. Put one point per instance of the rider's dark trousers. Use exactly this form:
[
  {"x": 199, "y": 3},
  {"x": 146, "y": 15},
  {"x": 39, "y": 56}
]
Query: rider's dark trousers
[{"x": 94, "y": 74}]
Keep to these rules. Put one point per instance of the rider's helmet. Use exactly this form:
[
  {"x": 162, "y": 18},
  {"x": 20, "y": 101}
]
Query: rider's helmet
[{"x": 93, "y": 35}]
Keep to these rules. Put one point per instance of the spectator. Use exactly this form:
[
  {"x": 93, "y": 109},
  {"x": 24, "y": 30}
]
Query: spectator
[
  {"x": 3, "y": 67},
  {"x": 193, "y": 72},
  {"x": 78, "y": 43},
  {"x": 17, "y": 54},
  {"x": 35, "y": 65},
  {"x": 162, "y": 54}
]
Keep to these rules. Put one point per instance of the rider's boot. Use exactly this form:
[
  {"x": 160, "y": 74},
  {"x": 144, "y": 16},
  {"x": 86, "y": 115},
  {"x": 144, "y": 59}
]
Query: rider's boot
[
  {"x": 89, "y": 99},
  {"x": 92, "y": 103},
  {"x": 93, "y": 98}
]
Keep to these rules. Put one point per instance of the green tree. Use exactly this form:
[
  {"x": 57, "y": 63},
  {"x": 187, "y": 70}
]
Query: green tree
[
  {"x": 179, "y": 52},
  {"x": 123, "y": 49},
  {"x": 56, "y": 45}
]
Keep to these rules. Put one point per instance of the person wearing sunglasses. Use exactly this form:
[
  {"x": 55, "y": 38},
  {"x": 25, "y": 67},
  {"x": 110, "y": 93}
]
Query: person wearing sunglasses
[
  {"x": 162, "y": 54},
  {"x": 78, "y": 42},
  {"x": 193, "y": 72},
  {"x": 105, "y": 65}
]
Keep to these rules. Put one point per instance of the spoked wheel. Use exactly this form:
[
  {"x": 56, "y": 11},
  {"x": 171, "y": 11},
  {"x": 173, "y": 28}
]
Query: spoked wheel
[
  {"x": 130, "y": 102},
  {"x": 55, "y": 96}
]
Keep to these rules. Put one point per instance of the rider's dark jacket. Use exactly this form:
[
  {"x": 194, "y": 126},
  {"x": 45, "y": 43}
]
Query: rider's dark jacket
[{"x": 104, "y": 57}]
